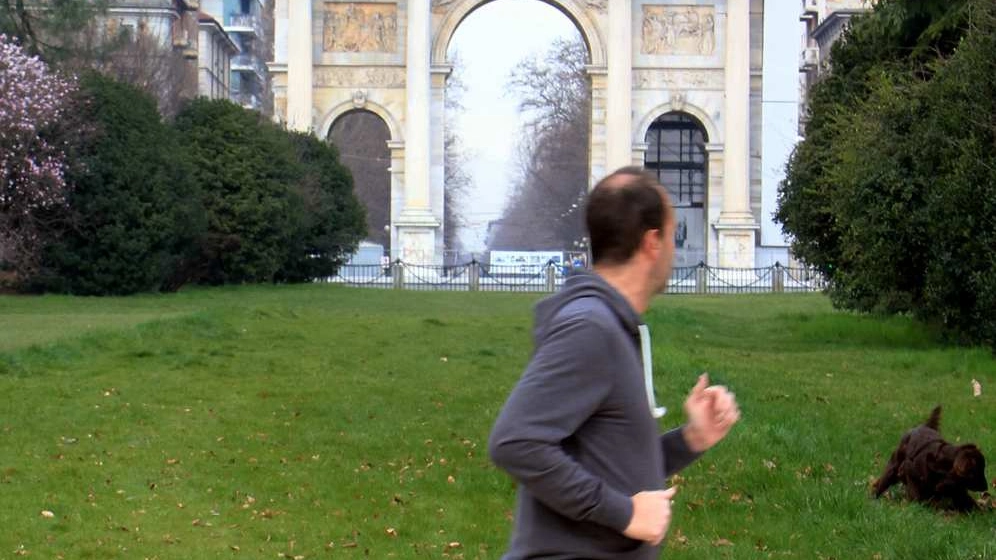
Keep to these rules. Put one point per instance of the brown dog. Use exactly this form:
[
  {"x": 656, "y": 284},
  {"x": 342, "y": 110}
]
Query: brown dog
[{"x": 934, "y": 471}]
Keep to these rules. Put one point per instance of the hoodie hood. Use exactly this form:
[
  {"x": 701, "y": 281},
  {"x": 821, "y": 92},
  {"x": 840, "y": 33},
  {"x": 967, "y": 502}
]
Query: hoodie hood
[{"x": 582, "y": 284}]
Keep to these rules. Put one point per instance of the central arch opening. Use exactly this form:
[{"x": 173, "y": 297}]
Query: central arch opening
[{"x": 524, "y": 126}]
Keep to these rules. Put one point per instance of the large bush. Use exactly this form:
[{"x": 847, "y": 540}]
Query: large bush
[
  {"x": 134, "y": 212},
  {"x": 245, "y": 166},
  {"x": 280, "y": 206},
  {"x": 328, "y": 219},
  {"x": 892, "y": 192}
]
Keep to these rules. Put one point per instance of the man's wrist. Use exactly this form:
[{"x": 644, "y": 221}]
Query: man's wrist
[{"x": 694, "y": 438}]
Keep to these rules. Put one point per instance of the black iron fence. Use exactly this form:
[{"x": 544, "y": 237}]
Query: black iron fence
[{"x": 478, "y": 276}]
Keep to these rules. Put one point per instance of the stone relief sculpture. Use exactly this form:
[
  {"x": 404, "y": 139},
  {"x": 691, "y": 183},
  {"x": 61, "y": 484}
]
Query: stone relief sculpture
[
  {"x": 688, "y": 30},
  {"x": 360, "y": 27}
]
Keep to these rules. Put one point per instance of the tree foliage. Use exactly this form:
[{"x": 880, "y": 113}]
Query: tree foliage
[
  {"x": 245, "y": 165},
  {"x": 279, "y": 206},
  {"x": 134, "y": 212},
  {"x": 328, "y": 220},
  {"x": 891, "y": 193},
  {"x": 544, "y": 209}
]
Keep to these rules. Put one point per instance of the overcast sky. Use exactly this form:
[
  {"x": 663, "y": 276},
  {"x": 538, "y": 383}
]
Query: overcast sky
[{"x": 490, "y": 42}]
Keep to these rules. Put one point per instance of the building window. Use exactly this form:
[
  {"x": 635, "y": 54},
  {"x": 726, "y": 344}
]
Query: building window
[{"x": 676, "y": 155}]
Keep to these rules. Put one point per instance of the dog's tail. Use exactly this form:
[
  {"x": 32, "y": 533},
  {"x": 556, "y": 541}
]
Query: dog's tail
[{"x": 934, "y": 422}]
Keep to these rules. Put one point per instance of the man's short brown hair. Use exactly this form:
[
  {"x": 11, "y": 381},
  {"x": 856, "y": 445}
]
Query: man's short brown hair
[{"x": 621, "y": 208}]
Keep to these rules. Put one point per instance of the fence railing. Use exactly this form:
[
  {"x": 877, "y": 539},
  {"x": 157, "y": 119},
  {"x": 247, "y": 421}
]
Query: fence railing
[{"x": 477, "y": 276}]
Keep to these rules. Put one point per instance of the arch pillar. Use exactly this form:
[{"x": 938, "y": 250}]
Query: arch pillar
[
  {"x": 619, "y": 101},
  {"x": 736, "y": 227},
  {"x": 417, "y": 226},
  {"x": 397, "y": 171},
  {"x": 714, "y": 204},
  {"x": 300, "y": 69},
  {"x": 598, "y": 143}
]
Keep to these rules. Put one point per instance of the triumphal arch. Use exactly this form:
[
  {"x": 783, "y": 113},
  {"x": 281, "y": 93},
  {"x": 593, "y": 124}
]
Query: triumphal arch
[{"x": 676, "y": 87}]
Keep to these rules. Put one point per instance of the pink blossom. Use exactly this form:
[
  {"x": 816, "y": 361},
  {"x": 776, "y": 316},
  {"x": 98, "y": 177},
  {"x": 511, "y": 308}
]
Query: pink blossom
[{"x": 33, "y": 100}]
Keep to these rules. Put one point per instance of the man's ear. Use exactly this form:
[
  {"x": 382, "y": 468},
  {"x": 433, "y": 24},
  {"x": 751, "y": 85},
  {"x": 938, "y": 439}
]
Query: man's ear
[{"x": 651, "y": 241}]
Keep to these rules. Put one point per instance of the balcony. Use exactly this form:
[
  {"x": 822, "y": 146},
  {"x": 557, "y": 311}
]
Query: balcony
[
  {"x": 810, "y": 59},
  {"x": 245, "y": 23},
  {"x": 248, "y": 100},
  {"x": 249, "y": 63}
]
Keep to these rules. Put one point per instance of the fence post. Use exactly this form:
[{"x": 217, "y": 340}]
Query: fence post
[
  {"x": 551, "y": 277},
  {"x": 398, "y": 273},
  {"x": 474, "y": 275},
  {"x": 701, "y": 274},
  {"x": 778, "y": 278}
]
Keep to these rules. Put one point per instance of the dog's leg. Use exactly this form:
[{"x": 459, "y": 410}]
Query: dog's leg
[
  {"x": 958, "y": 498},
  {"x": 890, "y": 476},
  {"x": 962, "y": 501}
]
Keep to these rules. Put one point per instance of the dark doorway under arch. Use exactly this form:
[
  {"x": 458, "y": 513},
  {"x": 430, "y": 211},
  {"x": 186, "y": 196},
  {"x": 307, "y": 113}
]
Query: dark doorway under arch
[
  {"x": 361, "y": 137},
  {"x": 676, "y": 155}
]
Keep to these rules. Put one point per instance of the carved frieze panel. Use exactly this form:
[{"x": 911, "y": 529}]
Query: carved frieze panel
[
  {"x": 678, "y": 79},
  {"x": 679, "y": 30},
  {"x": 360, "y": 27},
  {"x": 345, "y": 77}
]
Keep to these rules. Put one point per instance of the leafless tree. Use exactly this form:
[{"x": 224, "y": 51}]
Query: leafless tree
[
  {"x": 78, "y": 35},
  {"x": 49, "y": 28},
  {"x": 457, "y": 181},
  {"x": 148, "y": 62},
  {"x": 545, "y": 209}
]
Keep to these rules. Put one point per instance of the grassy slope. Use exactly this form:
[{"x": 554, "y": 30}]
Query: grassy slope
[{"x": 322, "y": 421}]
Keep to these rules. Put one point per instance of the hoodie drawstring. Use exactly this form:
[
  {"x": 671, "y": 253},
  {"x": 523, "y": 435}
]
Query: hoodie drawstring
[{"x": 648, "y": 373}]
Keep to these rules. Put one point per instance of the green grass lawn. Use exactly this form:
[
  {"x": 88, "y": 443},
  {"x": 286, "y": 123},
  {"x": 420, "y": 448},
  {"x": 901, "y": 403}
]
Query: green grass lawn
[{"x": 328, "y": 422}]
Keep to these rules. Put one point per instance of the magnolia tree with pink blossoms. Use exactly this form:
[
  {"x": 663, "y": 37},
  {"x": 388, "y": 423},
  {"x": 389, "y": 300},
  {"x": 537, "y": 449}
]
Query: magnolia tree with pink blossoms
[{"x": 34, "y": 103}]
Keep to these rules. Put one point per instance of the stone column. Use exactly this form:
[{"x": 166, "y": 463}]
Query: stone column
[
  {"x": 416, "y": 224},
  {"x": 640, "y": 154},
  {"x": 437, "y": 168},
  {"x": 397, "y": 170},
  {"x": 597, "y": 154},
  {"x": 714, "y": 200},
  {"x": 619, "y": 102},
  {"x": 300, "y": 54},
  {"x": 736, "y": 224},
  {"x": 278, "y": 67}
]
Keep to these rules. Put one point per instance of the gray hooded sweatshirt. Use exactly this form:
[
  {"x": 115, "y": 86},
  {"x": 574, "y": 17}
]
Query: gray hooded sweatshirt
[{"x": 577, "y": 432}]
